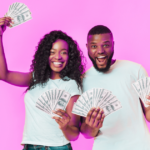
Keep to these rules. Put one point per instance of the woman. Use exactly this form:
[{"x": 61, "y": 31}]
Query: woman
[{"x": 56, "y": 64}]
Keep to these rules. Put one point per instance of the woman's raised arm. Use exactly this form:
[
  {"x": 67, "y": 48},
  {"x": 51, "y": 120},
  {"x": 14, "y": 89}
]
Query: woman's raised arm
[{"x": 12, "y": 77}]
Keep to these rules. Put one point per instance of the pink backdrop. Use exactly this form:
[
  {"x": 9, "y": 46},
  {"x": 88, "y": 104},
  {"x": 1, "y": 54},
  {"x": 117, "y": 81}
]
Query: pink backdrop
[{"x": 128, "y": 20}]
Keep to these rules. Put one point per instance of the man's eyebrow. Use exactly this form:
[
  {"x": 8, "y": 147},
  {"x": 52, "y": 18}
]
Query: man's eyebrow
[
  {"x": 93, "y": 43},
  {"x": 103, "y": 42},
  {"x": 106, "y": 42}
]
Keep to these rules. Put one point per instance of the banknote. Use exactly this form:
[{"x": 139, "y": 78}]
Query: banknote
[
  {"x": 62, "y": 101},
  {"x": 52, "y": 100},
  {"x": 79, "y": 110},
  {"x": 19, "y": 12},
  {"x": 142, "y": 88},
  {"x": 111, "y": 107},
  {"x": 96, "y": 97}
]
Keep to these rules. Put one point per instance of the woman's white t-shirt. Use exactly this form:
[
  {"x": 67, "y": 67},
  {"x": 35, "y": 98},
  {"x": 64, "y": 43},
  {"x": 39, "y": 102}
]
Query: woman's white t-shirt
[{"x": 40, "y": 128}]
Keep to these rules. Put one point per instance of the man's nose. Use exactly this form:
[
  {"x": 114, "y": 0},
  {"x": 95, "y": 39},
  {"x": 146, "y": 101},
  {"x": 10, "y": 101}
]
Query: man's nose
[{"x": 100, "y": 50}]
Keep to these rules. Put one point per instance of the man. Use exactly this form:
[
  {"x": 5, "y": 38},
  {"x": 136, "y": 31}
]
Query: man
[{"x": 126, "y": 128}]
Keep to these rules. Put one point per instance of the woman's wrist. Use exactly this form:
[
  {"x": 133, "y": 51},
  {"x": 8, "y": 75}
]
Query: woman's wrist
[{"x": 1, "y": 34}]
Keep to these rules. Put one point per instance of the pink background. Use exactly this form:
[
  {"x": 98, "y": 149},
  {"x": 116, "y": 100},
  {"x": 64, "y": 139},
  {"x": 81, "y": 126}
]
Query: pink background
[{"x": 128, "y": 20}]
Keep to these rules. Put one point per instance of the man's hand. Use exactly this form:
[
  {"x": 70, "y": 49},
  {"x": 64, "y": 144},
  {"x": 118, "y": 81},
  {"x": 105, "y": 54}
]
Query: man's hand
[
  {"x": 64, "y": 120},
  {"x": 95, "y": 118},
  {"x": 5, "y": 21},
  {"x": 92, "y": 123}
]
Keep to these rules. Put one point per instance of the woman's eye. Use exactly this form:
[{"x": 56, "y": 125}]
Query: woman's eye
[
  {"x": 51, "y": 52},
  {"x": 64, "y": 52}
]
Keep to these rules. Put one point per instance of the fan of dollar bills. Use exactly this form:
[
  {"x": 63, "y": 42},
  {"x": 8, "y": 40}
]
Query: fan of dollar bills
[
  {"x": 52, "y": 100},
  {"x": 19, "y": 12},
  {"x": 96, "y": 97},
  {"x": 142, "y": 88}
]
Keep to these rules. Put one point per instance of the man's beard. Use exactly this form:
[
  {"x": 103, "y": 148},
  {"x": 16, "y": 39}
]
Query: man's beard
[{"x": 107, "y": 66}]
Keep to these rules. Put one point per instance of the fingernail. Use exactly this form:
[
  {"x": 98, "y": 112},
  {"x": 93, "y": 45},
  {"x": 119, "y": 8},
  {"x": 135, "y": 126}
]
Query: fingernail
[{"x": 98, "y": 107}]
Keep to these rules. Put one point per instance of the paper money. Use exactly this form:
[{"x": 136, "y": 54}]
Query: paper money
[
  {"x": 111, "y": 108},
  {"x": 19, "y": 12},
  {"x": 96, "y": 97},
  {"x": 142, "y": 88},
  {"x": 52, "y": 100}
]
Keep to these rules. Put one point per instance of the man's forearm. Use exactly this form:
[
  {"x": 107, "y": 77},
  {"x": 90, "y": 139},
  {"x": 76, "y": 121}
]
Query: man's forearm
[
  {"x": 147, "y": 113},
  {"x": 87, "y": 131},
  {"x": 71, "y": 133}
]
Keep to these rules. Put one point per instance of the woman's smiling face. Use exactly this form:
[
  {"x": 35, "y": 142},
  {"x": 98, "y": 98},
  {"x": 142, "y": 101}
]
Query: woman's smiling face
[{"x": 59, "y": 56}]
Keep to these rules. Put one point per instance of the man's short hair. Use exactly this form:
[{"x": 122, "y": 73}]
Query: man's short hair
[{"x": 99, "y": 29}]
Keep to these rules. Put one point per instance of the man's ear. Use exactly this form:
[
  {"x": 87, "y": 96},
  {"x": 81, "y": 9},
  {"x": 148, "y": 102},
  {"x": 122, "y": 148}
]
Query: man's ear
[
  {"x": 86, "y": 45},
  {"x": 113, "y": 43}
]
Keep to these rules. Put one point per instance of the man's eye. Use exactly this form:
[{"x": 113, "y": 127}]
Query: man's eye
[
  {"x": 93, "y": 46},
  {"x": 106, "y": 45}
]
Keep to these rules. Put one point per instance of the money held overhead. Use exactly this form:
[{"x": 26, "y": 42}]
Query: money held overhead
[
  {"x": 19, "y": 12},
  {"x": 96, "y": 97}
]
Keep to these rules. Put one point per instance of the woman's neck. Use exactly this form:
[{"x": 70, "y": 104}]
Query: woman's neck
[{"x": 55, "y": 75}]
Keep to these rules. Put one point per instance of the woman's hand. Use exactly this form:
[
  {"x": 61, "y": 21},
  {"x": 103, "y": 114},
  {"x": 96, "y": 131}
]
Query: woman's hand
[
  {"x": 63, "y": 120},
  {"x": 5, "y": 21},
  {"x": 148, "y": 97}
]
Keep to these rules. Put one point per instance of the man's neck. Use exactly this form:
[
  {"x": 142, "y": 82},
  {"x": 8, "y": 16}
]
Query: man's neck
[{"x": 113, "y": 61}]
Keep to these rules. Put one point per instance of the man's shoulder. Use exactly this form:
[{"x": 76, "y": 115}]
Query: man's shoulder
[{"x": 128, "y": 64}]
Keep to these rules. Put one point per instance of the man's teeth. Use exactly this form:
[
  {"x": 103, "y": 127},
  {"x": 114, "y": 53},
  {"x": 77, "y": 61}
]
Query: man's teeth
[
  {"x": 101, "y": 57},
  {"x": 57, "y": 63}
]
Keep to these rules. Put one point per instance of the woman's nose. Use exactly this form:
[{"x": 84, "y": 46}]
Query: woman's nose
[{"x": 58, "y": 56}]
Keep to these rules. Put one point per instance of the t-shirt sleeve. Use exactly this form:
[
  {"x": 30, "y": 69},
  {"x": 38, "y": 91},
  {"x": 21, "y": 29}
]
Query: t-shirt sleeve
[
  {"x": 142, "y": 72},
  {"x": 73, "y": 88}
]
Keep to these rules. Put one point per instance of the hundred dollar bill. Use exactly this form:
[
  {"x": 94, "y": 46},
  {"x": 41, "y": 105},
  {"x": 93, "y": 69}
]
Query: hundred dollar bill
[
  {"x": 24, "y": 17},
  {"x": 40, "y": 104},
  {"x": 62, "y": 101},
  {"x": 137, "y": 88},
  {"x": 109, "y": 99},
  {"x": 81, "y": 102},
  {"x": 146, "y": 82},
  {"x": 39, "y": 107},
  {"x": 81, "y": 107},
  {"x": 78, "y": 111},
  {"x": 112, "y": 108},
  {"x": 90, "y": 97}
]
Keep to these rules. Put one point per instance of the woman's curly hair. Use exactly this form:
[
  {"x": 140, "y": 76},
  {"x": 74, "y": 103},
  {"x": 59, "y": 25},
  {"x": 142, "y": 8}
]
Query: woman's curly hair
[{"x": 40, "y": 63}]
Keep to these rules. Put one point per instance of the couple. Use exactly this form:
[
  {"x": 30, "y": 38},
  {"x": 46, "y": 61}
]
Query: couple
[{"x": 57, "y": 63}]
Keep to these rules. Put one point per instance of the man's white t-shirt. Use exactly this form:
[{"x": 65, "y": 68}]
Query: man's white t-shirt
[
  {"x": 40, "y": 128},
  {"x": 126, "y": 128}
]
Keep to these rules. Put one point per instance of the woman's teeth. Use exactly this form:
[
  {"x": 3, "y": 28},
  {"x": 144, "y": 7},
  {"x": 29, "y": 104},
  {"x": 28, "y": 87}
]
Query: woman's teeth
[{"x": 57, "y": 63}]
